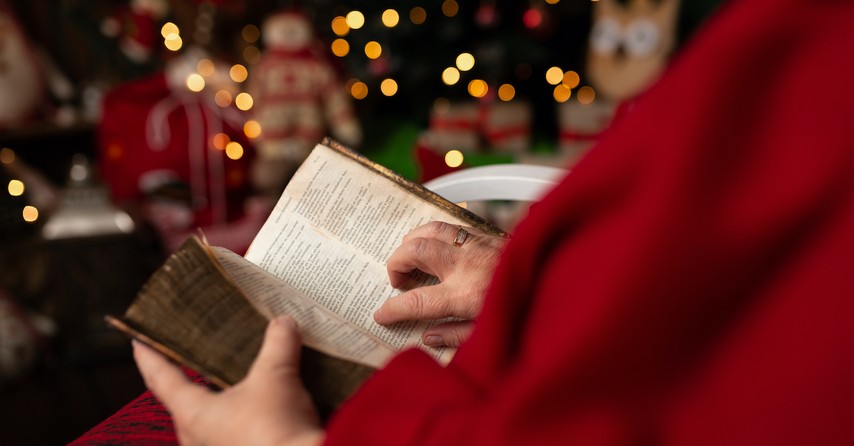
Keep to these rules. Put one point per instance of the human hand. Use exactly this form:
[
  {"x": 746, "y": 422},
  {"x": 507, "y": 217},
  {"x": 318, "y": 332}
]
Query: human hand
[
  {"x": 464, "y": 273},
  {"x": 270, "y": 405}
]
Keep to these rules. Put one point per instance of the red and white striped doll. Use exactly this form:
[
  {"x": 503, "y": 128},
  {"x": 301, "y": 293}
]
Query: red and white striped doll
[{"x": 298, "y": 100}]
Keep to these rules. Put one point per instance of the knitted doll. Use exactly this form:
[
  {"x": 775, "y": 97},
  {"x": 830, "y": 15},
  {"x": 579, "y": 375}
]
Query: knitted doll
[{"x": 298, "y": 99}]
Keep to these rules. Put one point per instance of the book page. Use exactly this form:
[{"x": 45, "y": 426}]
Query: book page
[
  {"x": 321, "y": 329},
  {"x": 331, "y": 233}
]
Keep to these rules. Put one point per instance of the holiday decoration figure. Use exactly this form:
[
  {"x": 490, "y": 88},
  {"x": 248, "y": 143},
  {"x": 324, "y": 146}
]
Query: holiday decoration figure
[
  {"x": 21, "y": 80},
  {"x": 31, "y": 85},
  {"x": 298, "y": 99},
  {"x": 630, "y": 44},
  {"x": 161, "y": 151},
  {"x": 136, "y": 27}
]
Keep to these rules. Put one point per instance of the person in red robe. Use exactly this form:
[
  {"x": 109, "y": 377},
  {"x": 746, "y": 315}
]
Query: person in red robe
[{"x": 690, "y": 282}]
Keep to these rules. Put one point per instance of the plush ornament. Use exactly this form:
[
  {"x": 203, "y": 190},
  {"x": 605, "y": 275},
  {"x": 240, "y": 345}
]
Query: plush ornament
[
  {"x": 136, "y": 28},
  {"x": 580, "y": 125},
  {"x": 506, "y": 126},
  {"x": 298, "y": 99},
  {"x": 455, "y": 125},
  {"x": 474, "y": 125},
  {"x": 630, "y": 44},
  {"x": 22, "y": 81},
  {"x": 158, "y": 146},
  {"x": 430, "y": 157}
]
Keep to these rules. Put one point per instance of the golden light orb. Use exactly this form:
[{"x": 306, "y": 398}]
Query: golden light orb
[
  {"x": 30, "y": 214},
  {"x": 340, "y": 47},
  {"x": 355, "y": 19},
  {"x": 388, "y": 87},
  {"x": 16, "y": 188},
  {"x": 220, "y": 140},
  {"x": 478, "y": 88},
  {"x": 465, "y": 61},
  {"x": 571, "y": 79},
  {"x": 586, "y": 95},
  {"x": 450, "y": 76},
  {"x": 234, "y": 150},
  {"x": 390, "y": 18},
  {"x": 169, "y": 28},
  {"x": 450, "y": 8},
  {"x": 250, "y": 33},
  {"x": 173, "y": 42},
  {"x": 244, "y": 101},
  {"x": 206, "y": 67},
  {"x": 506, "y": 92},
  {"x": 373, "y": 49},
  {"x": 252, "y": 129},
  {"x": 562, "y": 93},
  {"x": 340, "y": 26},
  {"x": 554, "y": 75},
  {"x": 417, "y": 15},
  {"x": 454, "y": 158},
  {"x": 195, "y": 82},
  {"x": 359, "y": 90},
  {"x": 223, "y": 98},
  {"x": 7, "y": 155},
  {"x": 238, "y": 73}
]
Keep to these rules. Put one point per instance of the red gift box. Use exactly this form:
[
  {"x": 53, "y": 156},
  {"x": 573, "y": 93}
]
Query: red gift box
[{"x": 152, "y": 138}]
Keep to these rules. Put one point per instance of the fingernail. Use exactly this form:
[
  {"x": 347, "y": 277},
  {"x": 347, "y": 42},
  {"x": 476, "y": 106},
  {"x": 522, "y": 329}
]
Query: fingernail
[
  {"x": 434, "y": 341},
  {"x": 378, "y": 316},
  {"x": 285, "y": 321}
]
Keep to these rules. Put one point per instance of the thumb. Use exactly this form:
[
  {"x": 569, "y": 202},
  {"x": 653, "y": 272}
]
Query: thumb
[{"x": 280, "y": 351}]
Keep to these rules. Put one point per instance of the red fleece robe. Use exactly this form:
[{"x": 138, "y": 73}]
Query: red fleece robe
[{"x": 690, "y": 282}]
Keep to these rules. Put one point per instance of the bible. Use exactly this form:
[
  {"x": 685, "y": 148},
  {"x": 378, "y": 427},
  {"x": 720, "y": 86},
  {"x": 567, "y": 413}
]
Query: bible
[{"x": 320, "y": 258}]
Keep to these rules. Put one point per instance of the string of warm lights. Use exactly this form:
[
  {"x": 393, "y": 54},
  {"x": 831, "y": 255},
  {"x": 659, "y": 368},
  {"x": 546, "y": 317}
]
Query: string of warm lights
[
  {"x": 564, "y": 83},
  {"x": 342, "y": 26},
  {"x": 197, "y": 82},
  {"x": 16, "y": 188}
]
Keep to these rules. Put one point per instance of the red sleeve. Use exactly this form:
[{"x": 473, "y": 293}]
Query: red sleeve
[{"x": 689, "y": 283}]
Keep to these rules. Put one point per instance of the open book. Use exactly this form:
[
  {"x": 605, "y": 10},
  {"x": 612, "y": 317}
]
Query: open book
[{"x": 320, "y": 258}]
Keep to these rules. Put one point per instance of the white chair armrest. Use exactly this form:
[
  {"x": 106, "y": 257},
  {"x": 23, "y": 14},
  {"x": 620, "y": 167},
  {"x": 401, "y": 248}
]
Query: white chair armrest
[{"x": 514, "y": 182}]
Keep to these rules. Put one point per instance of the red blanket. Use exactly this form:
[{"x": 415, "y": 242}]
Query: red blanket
[{"x": 690, "y": 282}]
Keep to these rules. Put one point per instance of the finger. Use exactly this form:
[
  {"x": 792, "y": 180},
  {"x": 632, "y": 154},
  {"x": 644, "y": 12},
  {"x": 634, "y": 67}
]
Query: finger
[
  {"x": 280, "y": 351},
  {"x": 428, "y": 255},
  {"x": 429, "y": 302},
  {"x": 166, "y": 380},
  {"x": 436, "y": 230},
  {"x": 448, "y": 334}
]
